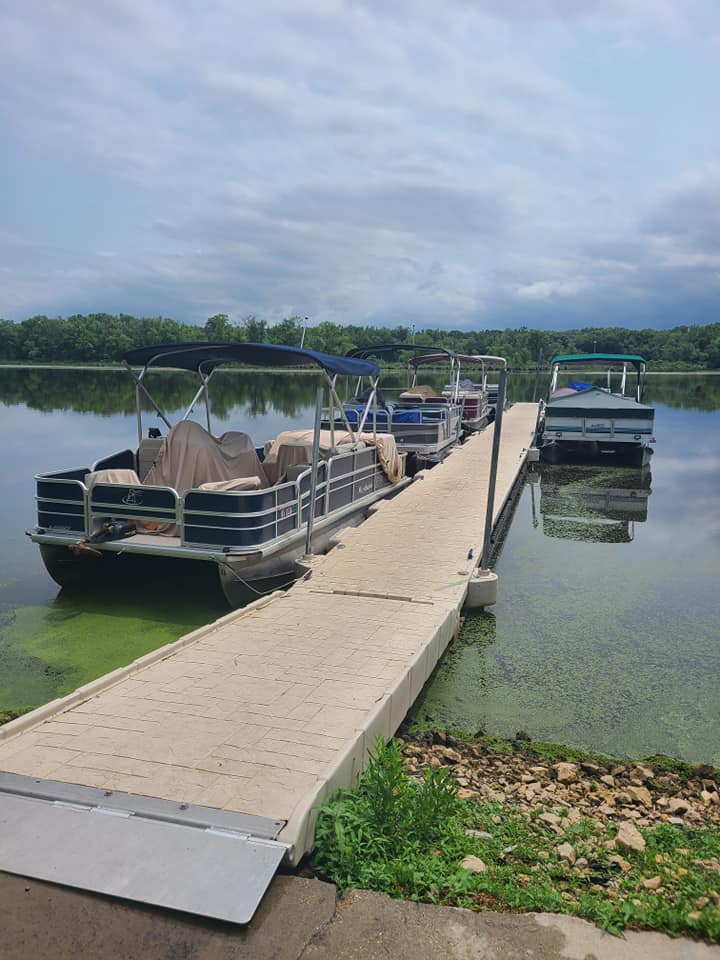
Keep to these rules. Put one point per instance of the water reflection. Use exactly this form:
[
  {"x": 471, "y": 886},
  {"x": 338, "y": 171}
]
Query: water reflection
[
  {"x": 597, "y": 641},
  {"x": 110, "y": 392},
  {"x": 595, "y": 505},
  {"x": 605, "y": 632},
  {"x": 107, "y": 392}
]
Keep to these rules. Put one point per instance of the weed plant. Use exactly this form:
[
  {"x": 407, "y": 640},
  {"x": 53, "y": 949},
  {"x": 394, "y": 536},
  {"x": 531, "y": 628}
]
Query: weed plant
[{"x": 395, "y": 835}]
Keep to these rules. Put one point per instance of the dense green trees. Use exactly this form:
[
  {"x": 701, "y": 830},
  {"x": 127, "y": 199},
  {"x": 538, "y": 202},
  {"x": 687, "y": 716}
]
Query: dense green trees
[{"x": 103, "y": 338}]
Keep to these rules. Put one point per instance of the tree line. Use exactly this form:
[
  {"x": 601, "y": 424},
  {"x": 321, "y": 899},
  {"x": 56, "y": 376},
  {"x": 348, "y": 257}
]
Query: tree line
[{"x": 104, "y": 338}]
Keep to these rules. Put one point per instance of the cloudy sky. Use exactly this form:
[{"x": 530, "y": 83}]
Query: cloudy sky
[{"x": 465, "y": 163}]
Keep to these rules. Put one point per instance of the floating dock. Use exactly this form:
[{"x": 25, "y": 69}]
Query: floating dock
[{"x": 210, "y": 756}]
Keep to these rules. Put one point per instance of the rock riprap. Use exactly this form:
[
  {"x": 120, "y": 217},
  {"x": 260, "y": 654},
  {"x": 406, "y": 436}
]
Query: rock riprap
[{"x": 630, "y": 795}]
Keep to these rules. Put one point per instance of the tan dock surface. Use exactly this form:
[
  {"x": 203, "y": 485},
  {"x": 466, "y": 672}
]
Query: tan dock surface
[{"x": 272, "y": 707}]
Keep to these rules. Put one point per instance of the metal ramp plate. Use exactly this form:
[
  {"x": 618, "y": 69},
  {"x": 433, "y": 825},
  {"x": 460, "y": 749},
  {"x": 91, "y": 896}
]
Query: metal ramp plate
[{"x": 195, "y": 859}]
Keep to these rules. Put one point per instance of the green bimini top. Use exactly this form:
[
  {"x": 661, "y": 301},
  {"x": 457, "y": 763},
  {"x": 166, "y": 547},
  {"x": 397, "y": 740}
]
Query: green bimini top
[{"x": 601, "y": 359}]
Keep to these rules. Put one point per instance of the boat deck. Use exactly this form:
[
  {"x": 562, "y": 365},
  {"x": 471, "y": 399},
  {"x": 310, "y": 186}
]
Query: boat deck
[{"x": 271, "y": 708}]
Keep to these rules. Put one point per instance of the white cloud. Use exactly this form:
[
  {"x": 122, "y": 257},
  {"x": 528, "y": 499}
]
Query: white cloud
[
  {"x": 345, "y": 159},
  {"x": 548, "y": 289}
]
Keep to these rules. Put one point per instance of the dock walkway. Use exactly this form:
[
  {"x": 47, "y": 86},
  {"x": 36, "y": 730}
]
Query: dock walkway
[{"x": 271, "y": 708}]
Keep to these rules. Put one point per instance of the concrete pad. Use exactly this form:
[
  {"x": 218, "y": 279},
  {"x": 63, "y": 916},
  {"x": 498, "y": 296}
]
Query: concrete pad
[
  {"x": 370, "y": 925},
  {"x": 45, "y": 922},
  {"x": 300, "y": 920}
]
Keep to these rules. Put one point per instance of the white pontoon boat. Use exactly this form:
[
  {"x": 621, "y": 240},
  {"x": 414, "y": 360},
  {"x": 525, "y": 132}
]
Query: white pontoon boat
[{"x": 596, "y": 420}]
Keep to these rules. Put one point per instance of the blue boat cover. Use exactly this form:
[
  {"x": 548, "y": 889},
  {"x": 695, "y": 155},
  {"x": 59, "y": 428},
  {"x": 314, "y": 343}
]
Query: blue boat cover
[
  {"x": 205, "y": 356},
  {"x": 399, "y": 416}
]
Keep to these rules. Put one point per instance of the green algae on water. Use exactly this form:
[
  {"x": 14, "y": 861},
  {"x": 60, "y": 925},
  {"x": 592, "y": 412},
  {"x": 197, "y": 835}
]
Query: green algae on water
[
  {"x": 47, "y": 651},
  {"x": 605, "y": 643}
]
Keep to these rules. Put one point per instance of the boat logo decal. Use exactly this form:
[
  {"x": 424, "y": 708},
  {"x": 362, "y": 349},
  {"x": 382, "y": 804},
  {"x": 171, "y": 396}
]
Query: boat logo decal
[{"x": 133, "y": 498}]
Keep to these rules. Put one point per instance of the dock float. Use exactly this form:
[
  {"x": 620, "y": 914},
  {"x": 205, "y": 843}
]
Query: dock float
[{"x": 185, "y": 778}]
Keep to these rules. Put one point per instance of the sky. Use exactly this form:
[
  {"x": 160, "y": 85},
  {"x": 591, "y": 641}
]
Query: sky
[{"x": 467, "y": 164}]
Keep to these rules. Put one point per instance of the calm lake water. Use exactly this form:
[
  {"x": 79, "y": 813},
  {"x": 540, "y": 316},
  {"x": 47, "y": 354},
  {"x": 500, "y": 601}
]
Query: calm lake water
[{"x": 606, "y": 632}]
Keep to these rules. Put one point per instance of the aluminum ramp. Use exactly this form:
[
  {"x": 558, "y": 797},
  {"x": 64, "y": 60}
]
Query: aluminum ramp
[{"x": 196, "y": 859}]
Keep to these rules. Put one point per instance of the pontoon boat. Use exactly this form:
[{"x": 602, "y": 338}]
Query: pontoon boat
[
  {"x": 477, "y": 397},
  {"x": 592, "y": 419},
  {"x": 426, "y": 424},
  {"x": 223, "y": 500}
]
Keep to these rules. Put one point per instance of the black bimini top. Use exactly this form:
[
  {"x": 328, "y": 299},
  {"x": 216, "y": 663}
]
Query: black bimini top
[
  {"x": 391, "y": 350},
  {"x": 205, "y": 356}
]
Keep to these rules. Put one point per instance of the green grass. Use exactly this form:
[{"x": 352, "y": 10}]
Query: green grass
[{"x": 407, "y": 839}]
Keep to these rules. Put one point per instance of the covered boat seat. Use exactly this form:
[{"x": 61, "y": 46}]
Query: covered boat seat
[
  {"x": 190, "y": 457},
  {"x": 285, "y": 458},
  {"x": 147, "y": 454},
  {"x": 422, "y": 393},
  {"x": 292, "y": 450},
  {"x": 237, "y": 484},
  {"x": 354, "y": 415},
  {"x": 128, "y": 478},
  {"x": 392, "y": 463},
  {"x": 383, "y": 417}
]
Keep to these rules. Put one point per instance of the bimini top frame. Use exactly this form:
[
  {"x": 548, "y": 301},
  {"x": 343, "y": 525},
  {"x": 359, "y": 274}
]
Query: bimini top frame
[
  {"x": 606, "y": 360},
  {"x": 203, "y": 358},
  {"x": 482, "y": 360},
  {"x": 392, "y": 350}
]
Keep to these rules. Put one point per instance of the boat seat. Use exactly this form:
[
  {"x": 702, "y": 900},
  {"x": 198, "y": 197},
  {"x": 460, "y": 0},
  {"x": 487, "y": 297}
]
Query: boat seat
[
  {"x": 123, "y": 476},
  {"x": 411, "y": 415},
  {"x": 294, "y": 471},
  {"x": 238, "y": 484},
  {"x": 147, "y": 455},
  {"x": 288, "y": 455},
  {"x": 354, "y": 415},
  {"x": 190, "y": 457},
  {"x": 419, "y": 393}
]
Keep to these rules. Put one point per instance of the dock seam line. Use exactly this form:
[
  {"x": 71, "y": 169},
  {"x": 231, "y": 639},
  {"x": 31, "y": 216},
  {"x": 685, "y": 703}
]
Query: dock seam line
[{"x": 374, "y": 596}]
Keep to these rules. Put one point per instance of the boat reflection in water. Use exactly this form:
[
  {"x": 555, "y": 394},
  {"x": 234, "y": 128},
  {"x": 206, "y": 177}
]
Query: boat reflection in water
[{"x": 588, "y": 503}]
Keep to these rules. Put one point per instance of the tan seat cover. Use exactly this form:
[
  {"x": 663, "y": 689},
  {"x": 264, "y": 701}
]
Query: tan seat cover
[{"x": 191, "y": 457}]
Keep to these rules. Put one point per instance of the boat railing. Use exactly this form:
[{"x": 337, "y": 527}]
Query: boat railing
[
  {"x": 124, "y": 502},
  {"x": 241, "y": 519},
  {"x": 237, "y": 520},
  {"x": 388, "y": 415},
  {"x": 61, "y": 500}
]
